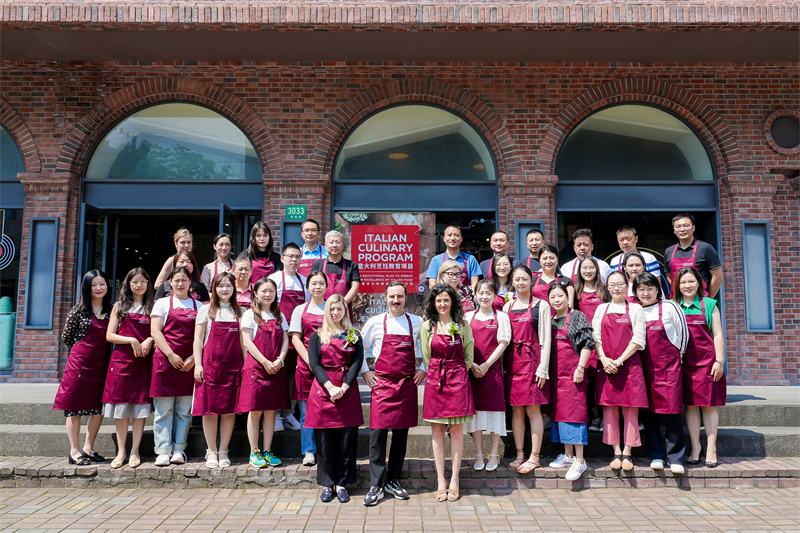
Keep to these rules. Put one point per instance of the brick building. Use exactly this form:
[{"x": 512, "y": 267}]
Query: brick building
[{"x": 552, "y": 113}]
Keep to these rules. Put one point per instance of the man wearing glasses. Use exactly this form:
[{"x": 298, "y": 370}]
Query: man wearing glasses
[
  {"x": 312, "y": 249},
  {"x": 694, "y": 253}
]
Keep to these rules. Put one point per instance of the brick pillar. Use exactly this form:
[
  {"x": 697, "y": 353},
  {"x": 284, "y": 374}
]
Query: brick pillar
[
  {"x": 753, "y": 358},
  {"x": 527, "y": 197},
  {"x": 39, "y": 354},
  {"x": 281, "y": 190}
]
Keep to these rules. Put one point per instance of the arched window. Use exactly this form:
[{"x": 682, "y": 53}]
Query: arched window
[
  {"x": 175, "y": 141},
  {"x": 415, "y": 142},
  {"x": 11, "y": 162},
  {"x": 633, "y": 142}
]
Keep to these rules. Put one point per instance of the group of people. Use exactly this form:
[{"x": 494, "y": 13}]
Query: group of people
[{"x": 254, "y": 334}]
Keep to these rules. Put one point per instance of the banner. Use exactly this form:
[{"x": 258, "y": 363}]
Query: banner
[{"x": 384, "y": 254}]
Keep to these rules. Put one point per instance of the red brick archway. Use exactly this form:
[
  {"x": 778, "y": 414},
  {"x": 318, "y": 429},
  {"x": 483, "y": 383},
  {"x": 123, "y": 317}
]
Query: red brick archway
[
  {"x": 423, "y": 91},
  {"x": 95, "y": 123},
  {"x": 19, "y": 131},
  {"x": 713, "y": 130}
]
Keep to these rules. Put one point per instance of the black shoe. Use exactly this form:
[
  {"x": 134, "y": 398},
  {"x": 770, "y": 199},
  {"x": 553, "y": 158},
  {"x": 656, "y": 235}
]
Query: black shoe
[
  {"x": 374, "y": 495},
  {"x": 690, "y": 461},
  {"x": 327, "y": 495},
  {"x": 95, "y": 457},
  {"x": 82, "y": 460},
  {"x": 342, "y": 495},
  {"x": 395, "y": 489}
]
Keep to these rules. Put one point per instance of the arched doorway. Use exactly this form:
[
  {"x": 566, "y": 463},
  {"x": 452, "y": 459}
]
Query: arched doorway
[
  {"x": 158, "y": 169},
  {"x": 633, "y": 164}
]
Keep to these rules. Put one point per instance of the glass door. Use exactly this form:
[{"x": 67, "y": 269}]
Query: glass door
[
  {"x": 237, "y": 224},
  {"x": 98, "y": 244}
]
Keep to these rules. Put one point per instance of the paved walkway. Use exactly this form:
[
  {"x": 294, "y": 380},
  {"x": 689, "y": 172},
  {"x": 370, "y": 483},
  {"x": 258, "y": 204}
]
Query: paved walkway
[{"x": 666, "y": 509}]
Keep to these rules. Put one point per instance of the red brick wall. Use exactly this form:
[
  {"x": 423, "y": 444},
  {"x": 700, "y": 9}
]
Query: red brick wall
[{"x": 298, "y": 115}]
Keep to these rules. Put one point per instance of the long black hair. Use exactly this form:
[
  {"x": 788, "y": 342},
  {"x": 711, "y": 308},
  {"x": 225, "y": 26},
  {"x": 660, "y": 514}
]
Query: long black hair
[
  {"x": 274, "y": 307},
  {"x": 252, "y": 249},
  {"x": 84, "y": 305},
  {"x": 126, "y": 300},
  {"x": 215, "y": 302},
  {"x": 432, "y": 315},
  {"x": 624, "y": 262},
  {"x": 508, "y": 287},
  {"x": 599, "y": 286}
]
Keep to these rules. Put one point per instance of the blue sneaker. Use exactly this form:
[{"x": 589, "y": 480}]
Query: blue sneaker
[
  {"x": 257, "y": 460},
  {"x": 271, "y": 459}
]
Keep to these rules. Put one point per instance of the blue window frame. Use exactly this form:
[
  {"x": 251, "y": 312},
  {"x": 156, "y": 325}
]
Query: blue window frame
[
  {"x": 757, "y": 269},
  {"x": 41, "y": 278}
]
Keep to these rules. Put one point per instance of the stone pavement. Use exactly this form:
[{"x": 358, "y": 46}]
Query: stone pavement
[{"x": 199, "y": 510}]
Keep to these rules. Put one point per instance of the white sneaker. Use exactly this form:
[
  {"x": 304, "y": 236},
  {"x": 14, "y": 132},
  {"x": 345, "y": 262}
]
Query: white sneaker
[
  {"x": 576, "y": 470},
  {"x": 657, "y": 464},
  {"x": 309, "y": 460},
  {"x": 676, "y": 469},
  {"x": 162, "y": 460},
  {"x": 278, "y": 423},
  {"x": 290, "y": 422},
  {"x": 178, "y": 458},
  {"x": 562, "y": 461}
]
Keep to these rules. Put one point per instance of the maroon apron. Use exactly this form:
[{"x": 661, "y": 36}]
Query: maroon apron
[
  {"x": 466, "y": 303},
  {"x": 626, "y": 388},
  {"x": 394, "y": 396},
  {"x": 244, "y": 298},
  {"x": 222, "y": 371},
  {"x": 574, "y": 275},
  {"x": 522, "y": 361},
  {"x": 128, "y": 379},
  {"x": 699, "y": 387},
  {"x": 260, "y": 390},
  {"x": 178, "y": 331},
  {"x": 540, "y": 290},
  {"x": 321, "y": 411},
  {"x": 290, "y": 299},
  {"x": 305, "y": 264},
  {"x": 662, "y": 369},
  {"x": 464, "y": 273},
  {"x": 337, "y": 284},
  {"x": 569, "y": 398},
  {"x": 498, "y": 303},
  {"x": 588, "y": 304},
  {"x": 81, "y": 387},
  {"x": 488, "y": 390},
  {"x": 303, "y": 376},
  {"x": 262, "y": 267},
  {"x": 676, "y": 263},
  {"x": 447, "y": 390}
]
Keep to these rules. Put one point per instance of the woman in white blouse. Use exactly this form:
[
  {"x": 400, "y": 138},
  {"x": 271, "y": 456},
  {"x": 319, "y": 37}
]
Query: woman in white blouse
[
  {"x": 619, "y": 334},
  {"x": 491, "y": 330}
]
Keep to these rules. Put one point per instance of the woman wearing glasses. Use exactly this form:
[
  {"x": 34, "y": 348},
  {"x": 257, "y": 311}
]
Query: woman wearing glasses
[
  {"x": 619, "y": 335},
  {"x": 450, "y": 274}
]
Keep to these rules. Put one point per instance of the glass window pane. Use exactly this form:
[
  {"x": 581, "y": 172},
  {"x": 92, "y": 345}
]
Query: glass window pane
[
  {"x": 633, "y": 143},
  {"x": 11, "y": 162},
  {"x": 414, "y": 142},
  {"x": 175, "y": 141}
]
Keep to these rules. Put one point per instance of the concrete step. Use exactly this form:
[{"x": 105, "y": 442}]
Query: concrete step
[
  {"x": 419, "y": 476},
  {"x": 49, "y": 440}
]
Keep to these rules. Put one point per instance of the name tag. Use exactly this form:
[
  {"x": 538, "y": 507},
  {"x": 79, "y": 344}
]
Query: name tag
[
  {"x": 144, "y": 321},
  {"x": 232, "y": 329},
  {"x": 404, "y": 344},
  {"x": 491, "y": 326},
  {"x": 623, "y": 321},
  {"x": 526, "y": 318},
  {"x": 562, "y": 337},
  {"x": 656, "y": 328}
]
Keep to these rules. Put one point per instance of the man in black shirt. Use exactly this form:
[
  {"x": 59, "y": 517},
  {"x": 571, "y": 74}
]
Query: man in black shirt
[{"x": 695, "y": 253}]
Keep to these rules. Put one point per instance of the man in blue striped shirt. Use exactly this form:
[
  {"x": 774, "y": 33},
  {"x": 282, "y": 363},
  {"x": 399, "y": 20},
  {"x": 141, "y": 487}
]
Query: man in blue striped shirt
[{"x": 628, "y": 238}]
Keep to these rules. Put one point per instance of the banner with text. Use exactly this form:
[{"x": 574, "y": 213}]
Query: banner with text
[{"x": 386, "y": 253}]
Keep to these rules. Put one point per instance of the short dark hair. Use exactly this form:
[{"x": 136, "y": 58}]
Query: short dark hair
[
  {"x": 583, "y": 232},
  {"x": 534, "y": 230},
  {"x": 451, "y": 226},
  {"x": 289, "y": 246},
  {"x": 628, "y": 229},
  {"x": 486, "y": 283},
  {"x": 548, "y": 248},
  {"x": 499, "y": 231},
  {"x": 314, "y": 274},
  {"x": 312, "y": 221},
  {"x": 649, "y": 279},
  {"x": 396, "y": 283},
  {"x": 683, "y": 215}
]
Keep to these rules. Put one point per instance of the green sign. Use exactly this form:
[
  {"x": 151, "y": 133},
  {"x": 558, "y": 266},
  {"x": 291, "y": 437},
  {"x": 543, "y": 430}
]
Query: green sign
[{"x": 295, "y": 212}]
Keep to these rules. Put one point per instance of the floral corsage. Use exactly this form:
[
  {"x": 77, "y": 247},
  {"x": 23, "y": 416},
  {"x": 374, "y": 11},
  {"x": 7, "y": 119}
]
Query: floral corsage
[
  {"x": 508, "y": 297},
  {"x": 454, "y": 329},
  {"x": 350, "y": 338}
]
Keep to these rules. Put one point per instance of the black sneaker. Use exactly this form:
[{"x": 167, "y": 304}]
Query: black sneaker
[
  {"x": 374, "y": 495},
  {"x": 596, "y": 425},
  {"x": 395, "y": 489}
]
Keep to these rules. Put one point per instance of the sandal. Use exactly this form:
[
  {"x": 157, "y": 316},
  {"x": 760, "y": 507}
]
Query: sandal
[
  {"x": 223, "y": 459},
  {"x": 627, "y": 463},
  {"x": 479, "y": 466},
  {"x": 529, "y": 466},
  {"x": 616, "y": 464},
  {"x": 211, "y": 459},
  {"x": 441, "y": 495},
  {"x": 452, "y": 495},
  {"x": 518, "y": 461},
  {"x": 690, "y": 461},
  {"x": 490, "y": 466}
]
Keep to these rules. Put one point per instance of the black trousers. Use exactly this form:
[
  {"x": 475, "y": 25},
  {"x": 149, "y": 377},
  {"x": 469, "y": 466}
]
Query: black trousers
[
  {"x": 673, "y": 448},
  {"x": 377, "y": 455},
  {"x": 337, "y": 449}
]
